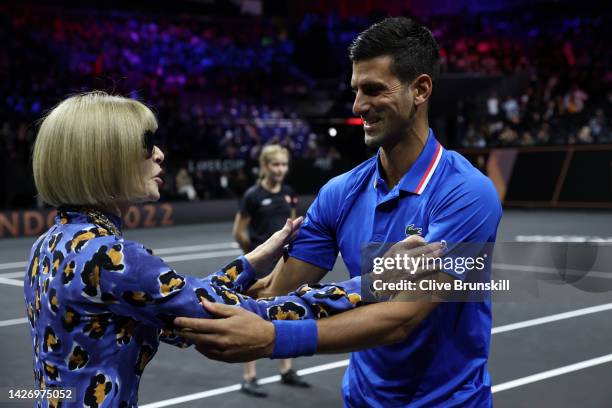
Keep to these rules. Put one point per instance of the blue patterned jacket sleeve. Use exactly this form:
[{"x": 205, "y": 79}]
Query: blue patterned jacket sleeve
[
  {"x": 312, "y": 301},
  {"x": 135, "y": 283}
]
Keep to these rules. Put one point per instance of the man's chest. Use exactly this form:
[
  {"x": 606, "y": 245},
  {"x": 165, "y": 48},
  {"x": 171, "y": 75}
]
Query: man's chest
[{"x": 369, "y": 227}]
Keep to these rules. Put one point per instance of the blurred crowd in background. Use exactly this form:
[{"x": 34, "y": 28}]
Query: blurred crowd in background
[
  {"x": 564, "y": 95},
  {"x": 224, "y": 87}
]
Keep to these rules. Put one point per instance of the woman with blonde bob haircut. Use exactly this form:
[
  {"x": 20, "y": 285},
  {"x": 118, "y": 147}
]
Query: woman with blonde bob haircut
[
  {"x": 98, "y": 304},
  {"x": 89, "y": 150}
]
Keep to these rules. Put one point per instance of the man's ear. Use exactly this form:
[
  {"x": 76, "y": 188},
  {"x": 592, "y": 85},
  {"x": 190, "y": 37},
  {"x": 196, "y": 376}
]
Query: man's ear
[{"x": 422, "y": 87}]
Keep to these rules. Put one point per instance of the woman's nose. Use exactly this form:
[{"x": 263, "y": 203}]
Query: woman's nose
[{"x": 158, "y": 155}]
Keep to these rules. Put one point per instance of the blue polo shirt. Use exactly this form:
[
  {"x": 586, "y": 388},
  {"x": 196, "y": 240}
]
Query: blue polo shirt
[{"x": 443, "y": 362}]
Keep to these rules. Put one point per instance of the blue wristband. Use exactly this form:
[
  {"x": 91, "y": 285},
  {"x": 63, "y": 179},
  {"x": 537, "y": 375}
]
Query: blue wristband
[{"x": 295, "y": 338}]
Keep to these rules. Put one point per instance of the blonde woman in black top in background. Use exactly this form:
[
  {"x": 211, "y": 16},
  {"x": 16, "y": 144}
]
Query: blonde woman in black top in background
[{"x": 263, "y": 209}]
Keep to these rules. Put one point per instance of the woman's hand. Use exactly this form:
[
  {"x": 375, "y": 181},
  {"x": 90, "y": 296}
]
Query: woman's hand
[{"x": 265, "y": 255}]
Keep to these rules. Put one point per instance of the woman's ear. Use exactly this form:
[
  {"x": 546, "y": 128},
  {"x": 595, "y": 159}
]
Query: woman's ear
[{"x": 423, "y": 87}]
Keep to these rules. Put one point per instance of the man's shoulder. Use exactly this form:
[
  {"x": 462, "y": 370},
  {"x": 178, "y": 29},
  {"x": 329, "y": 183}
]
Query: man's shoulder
[
  {"x": 460, "y": 173},
  {"x": 460, "y": 180}
]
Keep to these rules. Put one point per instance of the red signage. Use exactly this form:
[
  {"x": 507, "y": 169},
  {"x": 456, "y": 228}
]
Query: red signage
[{"x": 35, "y": 222}]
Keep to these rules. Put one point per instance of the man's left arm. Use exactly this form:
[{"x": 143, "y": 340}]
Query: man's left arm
[{"x": 470, "y": 215}]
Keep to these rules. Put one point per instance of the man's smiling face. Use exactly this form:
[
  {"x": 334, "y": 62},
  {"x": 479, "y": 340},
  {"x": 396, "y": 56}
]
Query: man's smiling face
[{"x": 383, "y": 102}]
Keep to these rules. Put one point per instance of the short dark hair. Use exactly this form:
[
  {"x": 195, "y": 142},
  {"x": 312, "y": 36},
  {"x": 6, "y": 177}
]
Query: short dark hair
[{"x": 412, "y": 47}]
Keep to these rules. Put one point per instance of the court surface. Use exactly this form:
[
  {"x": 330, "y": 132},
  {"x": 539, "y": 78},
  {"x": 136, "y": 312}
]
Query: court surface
[{"x": 549, "y": 350}]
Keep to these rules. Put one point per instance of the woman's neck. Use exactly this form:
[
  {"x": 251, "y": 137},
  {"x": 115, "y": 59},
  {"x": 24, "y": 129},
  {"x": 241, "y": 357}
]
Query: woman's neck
[
  {"x": 117, "y": 209},
  {"x": 270, "y": 185}
]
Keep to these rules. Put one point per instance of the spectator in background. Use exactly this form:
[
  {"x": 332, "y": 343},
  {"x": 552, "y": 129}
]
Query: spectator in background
[
  {"x": 584, "y": 135},
  {"x": 598, "y": 125},
  {"x": 264, "y": 206},
  {"x": 493, "y": 105},
  {"x": 574, "y": 100},
  {"x": 568, "y": 68},
  {"x": 508, "y": 136},
  {"x": 511, "y": 109},
  {"x": 473, "y": 138},
  {"x": 543, "y": 136},
  {"x": 184, "y": 185}
]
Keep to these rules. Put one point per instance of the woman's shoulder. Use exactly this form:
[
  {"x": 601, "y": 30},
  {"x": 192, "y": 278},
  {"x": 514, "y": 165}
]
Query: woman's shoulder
[
  {"x": 287, "y": 189},
  {"x": 255, "y": 190},
  {"x": 78, "y": 242}
]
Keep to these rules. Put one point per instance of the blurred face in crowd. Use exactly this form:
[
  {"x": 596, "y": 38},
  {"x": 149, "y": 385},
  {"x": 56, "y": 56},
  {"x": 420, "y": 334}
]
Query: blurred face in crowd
[
  {"x": 152, "y": 174},
  {"x": 277, "y": 167},
  {"x": 382, "y": 100}
]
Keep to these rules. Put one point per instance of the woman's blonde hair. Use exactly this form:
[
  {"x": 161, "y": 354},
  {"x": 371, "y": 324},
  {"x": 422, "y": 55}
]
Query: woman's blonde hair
[
  {"x": 89, "y": 150},
  {"x": 266, "y": 155}
]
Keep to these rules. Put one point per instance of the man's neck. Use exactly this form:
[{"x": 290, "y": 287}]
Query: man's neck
[{"x": 396, "y": 160}]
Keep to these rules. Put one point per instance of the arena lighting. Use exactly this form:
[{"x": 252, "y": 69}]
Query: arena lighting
[
  {"x": 332, "y": 131},
  {"x": 353, "y": 121}
]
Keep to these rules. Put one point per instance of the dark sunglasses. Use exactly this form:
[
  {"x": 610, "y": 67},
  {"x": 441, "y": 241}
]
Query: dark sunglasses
[{"x": 148, "y": 143}]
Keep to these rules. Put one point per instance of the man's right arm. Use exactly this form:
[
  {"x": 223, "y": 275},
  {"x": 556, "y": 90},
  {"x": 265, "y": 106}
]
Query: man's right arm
[
  {"x": 312, "y": 254},
  {"x": 239, "y": 335}
]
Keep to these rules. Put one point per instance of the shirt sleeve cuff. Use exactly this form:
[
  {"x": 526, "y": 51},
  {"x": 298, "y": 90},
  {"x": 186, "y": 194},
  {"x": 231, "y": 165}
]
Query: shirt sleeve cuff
[
  {"x": 312, "y": 259},
  {"x": 294, "y": 338}
]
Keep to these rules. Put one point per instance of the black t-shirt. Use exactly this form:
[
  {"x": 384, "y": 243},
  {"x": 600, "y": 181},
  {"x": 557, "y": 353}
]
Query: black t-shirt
[{"x": 268, "y": 211}]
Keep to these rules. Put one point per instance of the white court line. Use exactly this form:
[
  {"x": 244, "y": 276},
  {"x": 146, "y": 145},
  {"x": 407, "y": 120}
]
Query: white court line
[
  {"x": 176, "y": 258},
  {"x": 551, "y": 318},
  {"x": 545, "y": 269},
  {"x": 552, "y": 373},
  {"x": 236, "y": 387},
  {"x": 13, "y": 265},
  {"x": 206, "y": 255},
  {"x": 344, "y": 363},
  {"x": 195, "y": 248},
  {"x": 18, "y": 274},
  {"x": 160, "y": 251},
  {"x": 12, "y": 282},
  {"x": 12, "y": 322},
  {"x": 232, "y": 249}
]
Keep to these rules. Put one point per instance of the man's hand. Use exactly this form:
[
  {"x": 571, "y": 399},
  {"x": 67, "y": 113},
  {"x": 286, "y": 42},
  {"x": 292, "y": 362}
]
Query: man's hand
[
  {"x": 266, "y": 254},
  {"x": 240, "y": 336},
  {"x": 413, "y": 248}
]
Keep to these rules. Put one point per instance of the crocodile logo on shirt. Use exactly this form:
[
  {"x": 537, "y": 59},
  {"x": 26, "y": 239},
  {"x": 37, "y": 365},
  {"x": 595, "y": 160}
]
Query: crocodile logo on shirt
[{"x": 412, "y": 230}]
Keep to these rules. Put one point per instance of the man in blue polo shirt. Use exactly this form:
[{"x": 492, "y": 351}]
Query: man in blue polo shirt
[{"x": 409, "y": 354}]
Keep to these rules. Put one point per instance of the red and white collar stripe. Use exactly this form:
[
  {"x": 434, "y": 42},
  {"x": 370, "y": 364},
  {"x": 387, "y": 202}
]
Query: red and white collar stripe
[{"x": 430, "y": 170}]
